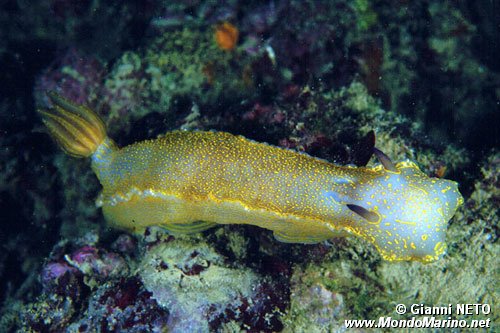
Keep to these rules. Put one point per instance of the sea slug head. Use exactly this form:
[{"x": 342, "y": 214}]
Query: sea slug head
[{"x": 406, "y": 213}]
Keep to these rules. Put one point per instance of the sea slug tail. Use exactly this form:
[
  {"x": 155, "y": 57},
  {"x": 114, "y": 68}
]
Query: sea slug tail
[{"x": 77, "y": 129}]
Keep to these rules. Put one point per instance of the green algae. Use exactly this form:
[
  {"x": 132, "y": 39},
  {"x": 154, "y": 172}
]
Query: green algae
[
  {"x": 78, "y": 187},
  {"x": 179, "y": 65},
  {"x": 352, "y": 110},
  {"x": 313, "y": 307},
  {"x": 366, "y": 16},
  {"x": 234, "y": 241}
]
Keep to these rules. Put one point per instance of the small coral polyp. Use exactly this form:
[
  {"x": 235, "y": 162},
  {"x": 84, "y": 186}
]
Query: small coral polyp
[{"x": 190, "y": 181}]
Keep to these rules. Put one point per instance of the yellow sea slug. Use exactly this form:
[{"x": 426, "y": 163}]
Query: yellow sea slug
[{"x": 190, "y": 181}]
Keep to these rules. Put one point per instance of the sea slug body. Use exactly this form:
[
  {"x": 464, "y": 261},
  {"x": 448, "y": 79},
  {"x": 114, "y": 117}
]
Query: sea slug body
[{"x": 190, "y": 181}]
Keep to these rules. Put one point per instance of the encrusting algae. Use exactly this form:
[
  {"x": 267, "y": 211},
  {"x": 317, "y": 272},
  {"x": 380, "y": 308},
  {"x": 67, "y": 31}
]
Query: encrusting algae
[{"x": 190, "y": 181}]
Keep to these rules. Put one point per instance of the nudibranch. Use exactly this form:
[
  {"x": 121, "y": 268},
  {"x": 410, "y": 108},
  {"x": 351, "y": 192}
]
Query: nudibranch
[{"x": 190, "y": 181}]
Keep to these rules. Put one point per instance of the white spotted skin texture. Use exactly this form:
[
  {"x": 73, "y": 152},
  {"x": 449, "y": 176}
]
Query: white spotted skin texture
[
  {"x": 216, "y": 177},
  {"x": 413, "y": 212}
]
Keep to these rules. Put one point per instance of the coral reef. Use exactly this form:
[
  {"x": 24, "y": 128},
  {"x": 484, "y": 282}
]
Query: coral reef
[
  {"x": 330, "y": 78},
  {"x": 223, "y": 280},
  {"x": 181, "y": 284}
]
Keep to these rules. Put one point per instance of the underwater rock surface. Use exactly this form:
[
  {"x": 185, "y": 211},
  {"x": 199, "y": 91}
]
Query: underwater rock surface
[
  {"x": 202, "y": 290},
  {"x": 317, "y": 77}
]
